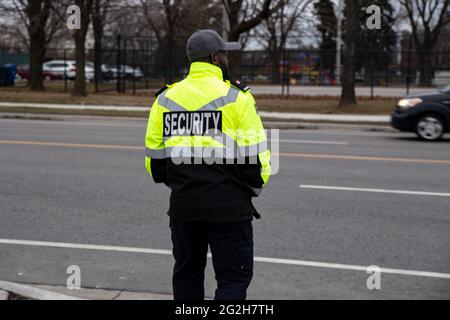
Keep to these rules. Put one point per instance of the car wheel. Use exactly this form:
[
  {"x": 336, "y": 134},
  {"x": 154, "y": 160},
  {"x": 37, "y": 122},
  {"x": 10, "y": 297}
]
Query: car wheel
[{"x": 430, "y": 128}]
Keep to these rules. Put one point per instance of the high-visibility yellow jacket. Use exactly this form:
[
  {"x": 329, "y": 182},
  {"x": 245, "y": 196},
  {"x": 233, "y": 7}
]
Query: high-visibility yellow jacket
[{"x": 205, "y": 140}]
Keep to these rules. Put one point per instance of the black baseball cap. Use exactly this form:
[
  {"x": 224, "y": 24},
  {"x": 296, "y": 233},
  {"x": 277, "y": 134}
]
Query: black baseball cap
[{"x": 205, "y": 42}]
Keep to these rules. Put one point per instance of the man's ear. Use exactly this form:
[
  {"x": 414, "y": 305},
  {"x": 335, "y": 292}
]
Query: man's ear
[{"x": 214, "y": 59}]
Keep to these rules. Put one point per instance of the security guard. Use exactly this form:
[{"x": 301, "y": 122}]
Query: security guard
[{"x": 206, "y": 142}]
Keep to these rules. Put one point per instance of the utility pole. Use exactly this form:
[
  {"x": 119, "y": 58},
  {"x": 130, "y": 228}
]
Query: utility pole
[{"x": 339, "y": 42}]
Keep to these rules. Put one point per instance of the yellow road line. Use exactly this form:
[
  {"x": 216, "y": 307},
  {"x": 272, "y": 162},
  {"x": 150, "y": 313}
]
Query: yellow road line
[
  {"x": 70, "y": 145},
  {"x": 281, "y": 154},
  {"x": 362, "y": 158}
]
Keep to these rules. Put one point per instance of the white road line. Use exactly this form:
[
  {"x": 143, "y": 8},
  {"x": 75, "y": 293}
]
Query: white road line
[
  {"x": 417, "y": 193},
  {"x": 257, "y": 259},
  {"x": 83, "y": 246}
]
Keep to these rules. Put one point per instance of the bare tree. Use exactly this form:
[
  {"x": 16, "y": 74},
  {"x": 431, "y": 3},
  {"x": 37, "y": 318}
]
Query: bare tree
[
  {"x": 352, "y": 30},
  {"x": 14, "y": 32},
  {"x": 427, "y": 19},
  {"x": 177, "y": 19},
  {"x": 40, "y": 25},
  {"x": 172, "y": 22},
  {"x": 244, "y": 15},
  {"x": 277, "y": 28}
]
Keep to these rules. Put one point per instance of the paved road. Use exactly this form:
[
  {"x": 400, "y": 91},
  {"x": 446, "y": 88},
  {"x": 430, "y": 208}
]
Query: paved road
[{"x": 75, "y": 183}]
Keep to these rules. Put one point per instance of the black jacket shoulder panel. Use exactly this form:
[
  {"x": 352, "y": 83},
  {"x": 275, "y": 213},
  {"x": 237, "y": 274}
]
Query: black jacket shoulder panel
[
  {"x": 241, "y": 85},
  {"x": 161, "y": 90}
]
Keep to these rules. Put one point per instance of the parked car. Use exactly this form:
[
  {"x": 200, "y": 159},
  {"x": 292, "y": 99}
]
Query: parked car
[
  {"x": 131, "y": 73},
  {"x": 109, "y": 71},
  {"x": 441, "y": 78},
  {"x": 428, "y": 114},
  {"x": 23, "y": 73},
  {"x": 67, "y": 67}
]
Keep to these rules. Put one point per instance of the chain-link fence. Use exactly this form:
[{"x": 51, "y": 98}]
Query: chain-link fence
[{"x": 132, "y": 64}]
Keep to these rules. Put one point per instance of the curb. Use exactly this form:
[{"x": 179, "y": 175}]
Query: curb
[
  {"x": 269, "y": 123},
  {"x": 327, "y": 125},
  {"x": 55, "y": 292},
  {"x": 34, "y": 293},
  {"x": 77, "y": 107},
  {"x": 318, "y": 117},
  {"x": 279, "y": 116}
]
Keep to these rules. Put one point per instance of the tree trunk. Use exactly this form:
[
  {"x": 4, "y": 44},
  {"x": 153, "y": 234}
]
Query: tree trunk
[
  {"x": 98, "y": 57},
  {"x": 425, "y": 59},
  {"x": 97, "y": 24},
  {"x": 80, "y": 57},
  {"x": 275, "y": 57},
  {"x": 234, "y": 58},
  {"x": 37, "y": 55},
  {"x": 348, "y": 96},
  {"x": 79, "y": 88},
  {"x": 37, "y": 12}
]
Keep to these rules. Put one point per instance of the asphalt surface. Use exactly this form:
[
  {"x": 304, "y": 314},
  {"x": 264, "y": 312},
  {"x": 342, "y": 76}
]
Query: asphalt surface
[{"x": 60, "y": 183}]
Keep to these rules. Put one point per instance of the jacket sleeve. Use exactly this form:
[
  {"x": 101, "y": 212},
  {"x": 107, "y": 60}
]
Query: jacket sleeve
[
  {"x": 155, "y": 157},
  {"x": 252, "y": 143}
]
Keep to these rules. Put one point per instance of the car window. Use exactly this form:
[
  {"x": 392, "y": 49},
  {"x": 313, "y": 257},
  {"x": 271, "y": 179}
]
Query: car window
[
  {"x": 446, "y": 89},
  {"x": 56, "y": 65}
]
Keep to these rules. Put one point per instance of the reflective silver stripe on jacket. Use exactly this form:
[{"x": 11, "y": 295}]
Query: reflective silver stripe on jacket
[
  {"x": 253, "y": 150},
  {"x": 155, "y": 153},
  {"x": 221, "y": 101},
  {"x": 172, "y": 106},
  {"x": 230, "y": 149},
  {"x": 195, "y": 152}
]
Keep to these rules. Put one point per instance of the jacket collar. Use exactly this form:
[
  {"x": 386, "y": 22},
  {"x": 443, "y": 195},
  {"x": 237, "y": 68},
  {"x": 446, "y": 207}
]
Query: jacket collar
[{"x": 202, "y": 69}]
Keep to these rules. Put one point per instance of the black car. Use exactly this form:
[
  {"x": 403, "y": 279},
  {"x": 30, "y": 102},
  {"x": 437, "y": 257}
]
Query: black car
[{"x": 428, "y": 115}]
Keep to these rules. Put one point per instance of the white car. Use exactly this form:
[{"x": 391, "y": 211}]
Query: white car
[
  {"x": 110, "y": 72},
  {"x": 68, "y": 67},
  {"x": 129, "y": 72}
]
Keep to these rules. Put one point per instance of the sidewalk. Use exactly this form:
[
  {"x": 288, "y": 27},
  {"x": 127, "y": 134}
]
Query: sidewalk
[
  {"x": 336, "y": 91},
  {"x": 372, "y": 119},
  {"x": 44, "y": 292},
  {"x": 326, "y": 117}
]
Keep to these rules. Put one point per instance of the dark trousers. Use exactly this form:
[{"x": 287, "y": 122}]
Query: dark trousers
[{"x": 232, "y": 255}]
